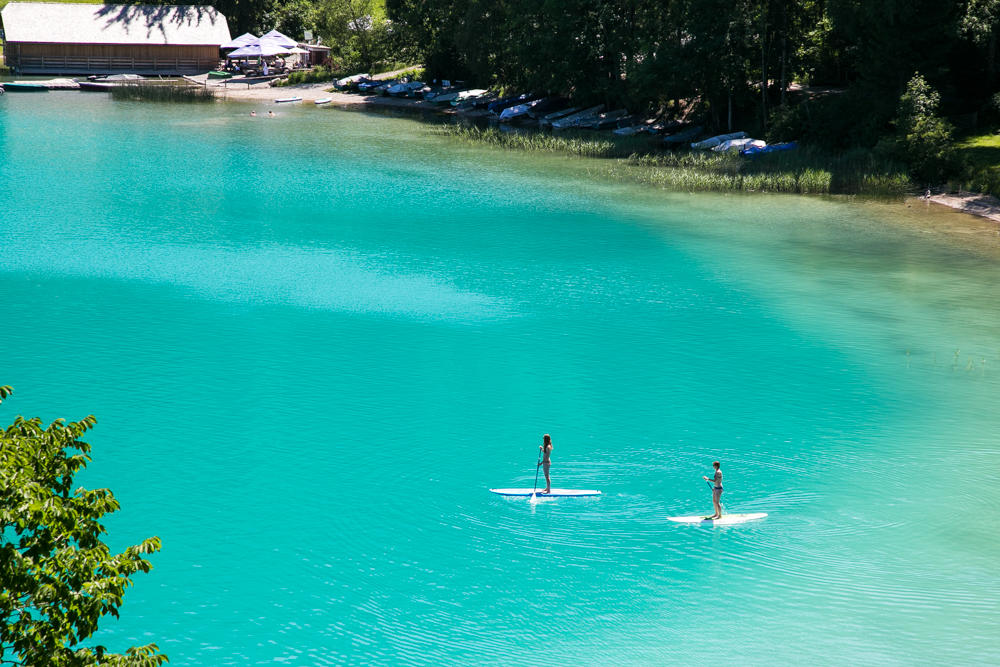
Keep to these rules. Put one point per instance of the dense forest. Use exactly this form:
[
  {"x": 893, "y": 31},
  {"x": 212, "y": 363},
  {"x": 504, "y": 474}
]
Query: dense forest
[{"x": 737, "y": 64}]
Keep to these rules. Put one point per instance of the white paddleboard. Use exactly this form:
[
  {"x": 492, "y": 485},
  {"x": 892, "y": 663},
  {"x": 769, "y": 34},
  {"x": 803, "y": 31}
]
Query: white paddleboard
[
  {"x": 555, "y": 493},
  {"x": 726, "y": 519}
]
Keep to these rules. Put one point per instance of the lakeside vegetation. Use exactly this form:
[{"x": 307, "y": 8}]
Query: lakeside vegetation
[
  {"x": 148, "y": 91},
  {"x": 830, "y": 74},
  {"x": 858, "y": 172}
]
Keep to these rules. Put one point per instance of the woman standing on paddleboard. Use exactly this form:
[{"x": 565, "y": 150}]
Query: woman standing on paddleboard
[
  {"x": 716, "y": 490},
  {"x": 546, "y": 461}
]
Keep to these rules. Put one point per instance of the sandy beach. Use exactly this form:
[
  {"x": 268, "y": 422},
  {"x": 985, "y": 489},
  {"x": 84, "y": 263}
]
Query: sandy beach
[{"x": 235, "y": 89}]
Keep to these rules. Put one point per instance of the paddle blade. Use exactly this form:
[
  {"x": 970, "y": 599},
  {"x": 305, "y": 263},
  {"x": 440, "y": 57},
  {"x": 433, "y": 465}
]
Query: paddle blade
[{"x": 533, "y": 499}]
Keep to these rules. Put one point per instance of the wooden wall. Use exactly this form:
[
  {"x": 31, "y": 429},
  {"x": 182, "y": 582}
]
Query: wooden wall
[{"x": 143, "y": 51}]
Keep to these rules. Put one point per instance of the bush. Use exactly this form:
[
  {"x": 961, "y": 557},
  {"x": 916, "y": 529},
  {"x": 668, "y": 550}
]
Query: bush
[
  {"x": 923, "y": 140},
  {"x": 315, "y": 75}
]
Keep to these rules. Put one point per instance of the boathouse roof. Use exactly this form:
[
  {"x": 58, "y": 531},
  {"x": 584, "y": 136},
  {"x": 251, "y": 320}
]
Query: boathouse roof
[{"x": 63, "y": 23}]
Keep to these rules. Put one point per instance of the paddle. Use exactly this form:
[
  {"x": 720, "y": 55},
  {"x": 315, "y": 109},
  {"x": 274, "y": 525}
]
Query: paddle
[{"x": 537, "y": 465}]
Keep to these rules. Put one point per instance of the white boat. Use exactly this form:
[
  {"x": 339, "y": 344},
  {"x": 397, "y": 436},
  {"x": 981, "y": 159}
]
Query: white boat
[
  {"x": 404, "y": 88},
  {"x": 737, "y": 144},
  {"x": 282, "y": 100},
  {"x": 325, "y": 100},
  {"x": 468, "y": 96},
  {"x": 347, "y": 81},
  {"x": 712, "y": 142},
  {"x": 572, "y": 120},
  {"x": 446, "y": 98},
  {"x": 510, "y": 113}
]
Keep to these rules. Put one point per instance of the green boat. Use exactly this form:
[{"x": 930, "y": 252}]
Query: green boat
[
  {"x": 214, "y": 74},
  {"x": 20, "y": 87}
]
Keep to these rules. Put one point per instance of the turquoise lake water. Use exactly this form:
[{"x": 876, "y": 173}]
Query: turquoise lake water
[{"x": 312, "y": 342}]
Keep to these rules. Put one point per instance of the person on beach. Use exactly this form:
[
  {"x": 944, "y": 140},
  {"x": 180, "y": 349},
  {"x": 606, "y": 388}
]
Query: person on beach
[
  {"x": 716, "y": 490},
  {"x": 546, "y": 461}
]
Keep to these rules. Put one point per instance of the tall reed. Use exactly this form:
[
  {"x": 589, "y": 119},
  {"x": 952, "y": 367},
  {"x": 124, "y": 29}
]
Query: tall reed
[
  {"x": 148, "y": 91},
  {"x": 572, "y": 144},
  {"x": 803, "y": 170}
]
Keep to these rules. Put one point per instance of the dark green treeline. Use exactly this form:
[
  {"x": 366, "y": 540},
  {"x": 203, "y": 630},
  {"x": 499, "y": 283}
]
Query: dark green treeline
[{"x": 731, "y": 61}]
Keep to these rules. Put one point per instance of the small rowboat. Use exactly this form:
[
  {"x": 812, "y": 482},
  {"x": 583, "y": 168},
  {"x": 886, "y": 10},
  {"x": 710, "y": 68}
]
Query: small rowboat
[
  {"x": 216, "y": 74},
  {"x": 287, "y": 99},
  {"x": 325, "y": 100},
  {"x": 18, "y": 87},
  {"x": 96, "y": 86}
]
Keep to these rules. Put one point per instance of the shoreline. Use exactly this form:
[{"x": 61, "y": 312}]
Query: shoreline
[
  {"x": 981, "y": 206},
  {"x": 973, "y": 203}
]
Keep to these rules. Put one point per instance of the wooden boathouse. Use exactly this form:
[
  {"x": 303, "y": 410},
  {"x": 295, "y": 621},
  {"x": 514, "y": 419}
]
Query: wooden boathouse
[{"x": 63, "y": 38}]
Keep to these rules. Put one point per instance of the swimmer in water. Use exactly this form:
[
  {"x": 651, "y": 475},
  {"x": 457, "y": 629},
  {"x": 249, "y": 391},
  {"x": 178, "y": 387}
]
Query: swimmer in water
[
  {"x": 270, "y": 113},
  {"x": 546, "y": 461},
  {"x": 253, "y": 113},
  {"x": 716, "y": 490}
]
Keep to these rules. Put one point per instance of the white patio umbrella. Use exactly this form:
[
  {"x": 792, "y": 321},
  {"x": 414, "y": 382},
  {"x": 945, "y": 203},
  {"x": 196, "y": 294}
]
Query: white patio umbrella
[
  {"x": 262, "y": 49},
  {"x": 276, "y": 36},
  {"x": 242, "y": 40}
]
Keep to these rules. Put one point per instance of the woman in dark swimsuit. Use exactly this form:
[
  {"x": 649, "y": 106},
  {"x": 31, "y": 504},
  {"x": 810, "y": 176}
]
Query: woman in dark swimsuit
[
  {"x": 546, "y": 461},
  {"x": 716, "y": 490}
]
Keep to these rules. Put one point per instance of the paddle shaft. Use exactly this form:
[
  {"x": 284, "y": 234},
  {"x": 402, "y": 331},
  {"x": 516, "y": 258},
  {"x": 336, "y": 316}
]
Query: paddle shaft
[{"x": 537, "y": 465}]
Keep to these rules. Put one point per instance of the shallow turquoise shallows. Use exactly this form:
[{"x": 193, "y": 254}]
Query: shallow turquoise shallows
[{"x": 313, "y": 342}]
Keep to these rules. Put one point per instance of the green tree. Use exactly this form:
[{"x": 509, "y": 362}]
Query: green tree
[
  {"x": 358, "y": 29},
  {"x": 58, "y": 578},
  {"x": 923, "y": 140}
]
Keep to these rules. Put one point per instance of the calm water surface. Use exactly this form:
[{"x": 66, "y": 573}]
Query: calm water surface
[{"x": 312, "y": 342}]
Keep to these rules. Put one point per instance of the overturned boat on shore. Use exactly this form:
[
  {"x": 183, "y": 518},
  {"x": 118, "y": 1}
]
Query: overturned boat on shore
[
  {"x": 573, "y": 119},
  {"x": 712, "y": 142},
  {"x": 350, "y": 81}
]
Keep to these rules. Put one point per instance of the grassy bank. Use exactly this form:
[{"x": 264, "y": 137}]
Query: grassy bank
[
  {"x": 982, "y": 155},
  {"x": 162, "y": 92},
  {"x": 804, "y": 171}
]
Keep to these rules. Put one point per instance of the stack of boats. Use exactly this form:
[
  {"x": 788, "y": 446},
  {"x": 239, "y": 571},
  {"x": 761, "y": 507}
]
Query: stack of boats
[{"x": 558, "y": 114}]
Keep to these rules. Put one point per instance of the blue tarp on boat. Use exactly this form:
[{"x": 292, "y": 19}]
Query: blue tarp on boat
[{"x": 773, "y": 148}]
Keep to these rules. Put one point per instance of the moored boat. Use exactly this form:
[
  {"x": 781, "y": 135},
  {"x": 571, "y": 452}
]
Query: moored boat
[
  {"x": 282, "y": 100},
  {"x": 446, "y": 98},
  {"x": 349, "y": 81},
  {"x": 24, "y": 87},
  {"x": 573, "y": 119},
  {"x": 216, "y": 74},
  {"x": 684, "y": 135},
  {"x": 516, "y": 111},
  {"x": 499, "y": 106},
  {"x": 403, "y": 89},
  {"x": 96, "y": 86},
  {"x": 468, "y": 96},
  {"x": 548, "y": 106},
  {"x": 323, "y": 100},
  {"x": 601, "y": 121},
  {"x": 712, "y": 142},
  {"x": 548, "y": 119}
]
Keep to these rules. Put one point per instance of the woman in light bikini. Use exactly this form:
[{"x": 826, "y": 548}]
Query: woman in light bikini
[
  {"x": 546, "y": 461},
  {"x": 716, "y": 490}
]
